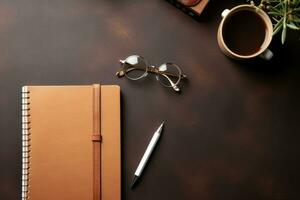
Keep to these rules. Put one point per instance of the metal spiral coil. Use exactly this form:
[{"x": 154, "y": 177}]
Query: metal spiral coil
[{"x": 25, "y": 141}]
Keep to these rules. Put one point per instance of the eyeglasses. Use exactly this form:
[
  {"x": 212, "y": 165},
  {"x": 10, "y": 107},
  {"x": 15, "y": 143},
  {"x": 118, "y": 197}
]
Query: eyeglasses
[{"x": 136, "y": 67}]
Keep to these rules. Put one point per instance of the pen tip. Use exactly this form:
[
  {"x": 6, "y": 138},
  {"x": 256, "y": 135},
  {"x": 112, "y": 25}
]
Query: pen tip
[
  {"x": 161, "y": 126},
  {"x": 135, "y": 178}
]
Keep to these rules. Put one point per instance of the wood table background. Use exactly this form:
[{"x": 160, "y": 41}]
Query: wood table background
[{"x": 233, "y": 133}]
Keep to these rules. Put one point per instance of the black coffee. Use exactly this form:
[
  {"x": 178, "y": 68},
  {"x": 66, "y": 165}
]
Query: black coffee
[{"x": 244, "y": 32}]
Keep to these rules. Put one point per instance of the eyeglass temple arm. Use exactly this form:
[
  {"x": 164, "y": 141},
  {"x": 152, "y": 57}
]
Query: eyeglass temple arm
[
  {"x": 121, "y": 72},
  {"x": 175, "y": 87},
  {"x": 152, "y": 70}
]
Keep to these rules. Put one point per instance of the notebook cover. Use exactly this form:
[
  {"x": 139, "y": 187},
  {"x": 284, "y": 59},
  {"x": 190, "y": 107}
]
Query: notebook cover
[{"x": 61, "y": 146}]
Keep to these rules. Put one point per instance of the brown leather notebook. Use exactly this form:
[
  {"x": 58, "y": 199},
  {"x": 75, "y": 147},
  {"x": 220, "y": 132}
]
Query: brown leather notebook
[{"x": 71, "y": 143}]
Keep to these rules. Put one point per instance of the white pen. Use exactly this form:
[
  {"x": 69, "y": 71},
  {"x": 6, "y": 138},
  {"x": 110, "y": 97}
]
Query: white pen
[{"x": 147, "y": 154}]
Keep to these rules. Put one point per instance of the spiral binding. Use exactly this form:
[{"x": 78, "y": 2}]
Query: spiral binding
[{"x": 25, "y": 141}]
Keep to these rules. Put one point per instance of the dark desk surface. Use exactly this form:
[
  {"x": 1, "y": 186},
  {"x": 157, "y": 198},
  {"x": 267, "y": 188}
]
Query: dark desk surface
[{"x": 232, "y": 134}]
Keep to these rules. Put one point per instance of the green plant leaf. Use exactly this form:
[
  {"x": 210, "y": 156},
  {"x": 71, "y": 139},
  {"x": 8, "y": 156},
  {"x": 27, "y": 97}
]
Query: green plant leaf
[
  {"x": 275, "y": 13},
  {"x": 274, "y": 9},
  {"x": 283, "y": 34},
  {"x": 277, "y": 29},
  {"x": 277, "y": 26},
  {"x": 296, "y": 9},
  {"x": 285, "y": 15},
  {"x": 296, "y": 19},
  {"x": 294, "y": 27}
]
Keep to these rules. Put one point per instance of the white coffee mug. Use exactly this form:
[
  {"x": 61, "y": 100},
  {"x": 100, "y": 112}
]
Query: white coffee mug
[{"x": 263, "y": 51}]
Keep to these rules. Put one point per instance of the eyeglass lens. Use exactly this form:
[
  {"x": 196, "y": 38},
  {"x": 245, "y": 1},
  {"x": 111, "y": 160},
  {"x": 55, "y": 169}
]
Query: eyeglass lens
[
  {"x": 169, "y": 74},
  {"x": 135, "y": 67}
]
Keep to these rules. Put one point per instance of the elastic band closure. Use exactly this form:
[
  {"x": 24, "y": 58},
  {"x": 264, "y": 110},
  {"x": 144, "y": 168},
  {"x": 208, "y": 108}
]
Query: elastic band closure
[{"x": 96, "y": 139}]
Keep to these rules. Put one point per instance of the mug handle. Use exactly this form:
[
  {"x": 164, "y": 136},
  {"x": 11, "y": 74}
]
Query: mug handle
[
  {"x": 225, "y": 13},
  {"x": 266, "y": 55}
]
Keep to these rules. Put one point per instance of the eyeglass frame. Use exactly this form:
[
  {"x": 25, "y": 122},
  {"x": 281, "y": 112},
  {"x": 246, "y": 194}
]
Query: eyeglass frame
[{"x": 152, "y": 69}]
